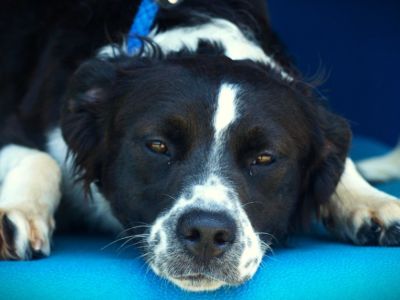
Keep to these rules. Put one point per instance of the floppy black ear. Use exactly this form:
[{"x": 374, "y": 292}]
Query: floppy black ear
[
  {"x": 330, "y": 145},
  {"x": 88, "y": 106},
  {"x": 85, "y": 115}
]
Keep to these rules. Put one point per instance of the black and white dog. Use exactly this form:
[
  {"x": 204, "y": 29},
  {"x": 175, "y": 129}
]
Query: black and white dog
[{"x": 207, "y": 144}]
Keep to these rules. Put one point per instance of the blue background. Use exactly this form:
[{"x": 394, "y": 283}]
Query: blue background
[{"x": 358, "y": 43}]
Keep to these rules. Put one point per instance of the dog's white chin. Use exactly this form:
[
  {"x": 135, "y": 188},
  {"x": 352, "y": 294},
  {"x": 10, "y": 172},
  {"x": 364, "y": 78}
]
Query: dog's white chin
[{"x": 197, "y": 285}]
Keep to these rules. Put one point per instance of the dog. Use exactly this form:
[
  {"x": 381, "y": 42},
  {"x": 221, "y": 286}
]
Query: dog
[
  {"x": 382, "y": 168},
  {"x": 206, "y": 144}
]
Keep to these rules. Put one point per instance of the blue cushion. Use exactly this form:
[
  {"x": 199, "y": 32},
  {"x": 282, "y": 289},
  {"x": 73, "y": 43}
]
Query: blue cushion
[{"x": 313, "y": 267}]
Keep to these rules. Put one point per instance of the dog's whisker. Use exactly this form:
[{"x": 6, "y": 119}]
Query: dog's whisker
[
  {"x": 138, "y": 246},
  {"x": 268, "y": 234},
  {"x": 142, "y": 238},
  {"x": 137, "y": 243},
  {"x": 270, "y": 257},
  {"x": 126, "y": 242},
  {"x": 171, "y": 197},
  {"x": 249, "y": 203},
  {"x": 145, "y": 255},
  {"x": 133, "y": 228},
  {"x": 115, "y": 241}
]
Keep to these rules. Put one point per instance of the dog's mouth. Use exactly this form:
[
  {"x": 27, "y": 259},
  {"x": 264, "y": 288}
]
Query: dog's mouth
[
  {"x": 197, "y": 282},
  {"x": 204, "y": 278},
  {"x": 196, "y": 277}
]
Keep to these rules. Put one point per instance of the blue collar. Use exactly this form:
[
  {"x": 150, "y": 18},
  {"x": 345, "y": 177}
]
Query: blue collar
[{"x": 141, "y": 25}]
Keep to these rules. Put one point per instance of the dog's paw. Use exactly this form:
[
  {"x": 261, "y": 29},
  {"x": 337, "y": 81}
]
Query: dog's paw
[
  {"x": 377, "y": 224},
  {"x": 381, "y": 168},
  {"x": 24, "y": 236}
]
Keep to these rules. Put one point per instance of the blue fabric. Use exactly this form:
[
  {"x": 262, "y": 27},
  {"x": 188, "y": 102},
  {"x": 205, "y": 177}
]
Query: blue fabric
[
  {"x": 358, "y": 42},
  {"x": 313, "y": 267},
  {"x": 141, "y": 25}
]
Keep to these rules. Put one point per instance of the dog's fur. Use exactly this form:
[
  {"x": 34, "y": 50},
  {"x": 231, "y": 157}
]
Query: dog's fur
[
  {"x": 382, "y": 168},
  {"x": 214, "y": 86}
]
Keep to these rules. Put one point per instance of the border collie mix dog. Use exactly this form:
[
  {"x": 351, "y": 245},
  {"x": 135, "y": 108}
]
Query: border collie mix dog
[{"x": 208, "y": 136}]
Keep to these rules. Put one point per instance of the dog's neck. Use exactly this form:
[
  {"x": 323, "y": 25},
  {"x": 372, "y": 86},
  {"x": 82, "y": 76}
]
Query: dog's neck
[{"x": 236, "y": 41}]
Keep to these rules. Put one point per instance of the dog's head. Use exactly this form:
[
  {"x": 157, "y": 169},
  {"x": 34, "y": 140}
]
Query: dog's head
[{"x": 217, "y": 156}]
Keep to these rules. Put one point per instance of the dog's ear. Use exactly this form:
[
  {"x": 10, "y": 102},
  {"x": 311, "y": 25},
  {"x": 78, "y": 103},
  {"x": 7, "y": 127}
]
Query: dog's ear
[
  {"x": 85, "y": 115},
  {"x": 330, "y": 143},
  {"x": 91, "y": 97}
]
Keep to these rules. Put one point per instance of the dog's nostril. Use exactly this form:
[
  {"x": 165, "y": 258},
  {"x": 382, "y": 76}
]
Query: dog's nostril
[
  {"x": 221, "y": 238},
  {"x": 206, "y": 234},
  {"x": 193, "y": 236}
]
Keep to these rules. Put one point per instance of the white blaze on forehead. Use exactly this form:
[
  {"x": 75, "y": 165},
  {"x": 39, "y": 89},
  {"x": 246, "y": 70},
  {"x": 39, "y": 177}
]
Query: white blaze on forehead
[{"x": 226, "y": 112}]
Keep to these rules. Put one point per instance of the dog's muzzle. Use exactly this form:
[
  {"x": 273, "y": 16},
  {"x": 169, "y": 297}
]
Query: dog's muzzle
[{"x": 203, "y": 243}]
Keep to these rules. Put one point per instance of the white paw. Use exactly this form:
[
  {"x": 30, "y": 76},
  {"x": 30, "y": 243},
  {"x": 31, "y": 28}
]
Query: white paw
[
  {"x": 377, "y": 223},
  {"x": 382, "y": 168},
  {"x": 24, "y": 236}
]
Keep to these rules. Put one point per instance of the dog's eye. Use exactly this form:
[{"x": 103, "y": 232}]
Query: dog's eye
[
  {"x": 158, "y": 147},
  {"x": 263, "y": 159}
]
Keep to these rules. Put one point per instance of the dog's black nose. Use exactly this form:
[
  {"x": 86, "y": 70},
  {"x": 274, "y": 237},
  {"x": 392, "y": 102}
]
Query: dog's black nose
[{"x": 206, "y": 234}]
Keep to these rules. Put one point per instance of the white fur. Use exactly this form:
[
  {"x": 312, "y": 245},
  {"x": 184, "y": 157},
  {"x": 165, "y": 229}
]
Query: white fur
[
  {"x": 250, "y": 253},
  {"x": 157, "y": 228},
  {"x": 10, "y": 156},
  {"x": 20, "y": 184},
  {"x": 352, "y": 182},
  {"x": 355, "y": 203},
  {"x": 111, "y": 50},
  {"x": 30, "y": 194},
  {"x": 98, "y": 210},
  {"x": 237, "y": 45},
  {"x": 382, "y": 168},
  {"x": 21, "y": 242},
  {"x": 199, "y": 287},
  {"x": 226, "y": 112}
]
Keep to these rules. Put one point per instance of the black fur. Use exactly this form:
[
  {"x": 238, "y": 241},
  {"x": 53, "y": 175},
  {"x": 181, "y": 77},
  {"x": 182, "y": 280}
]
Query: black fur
[{"x": 111, "y": 108}]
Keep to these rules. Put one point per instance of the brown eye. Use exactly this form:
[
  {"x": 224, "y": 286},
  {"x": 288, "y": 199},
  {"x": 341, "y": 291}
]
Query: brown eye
[
  {"x": 158, "y": 147},
  {"x": 263, "y": 159}
]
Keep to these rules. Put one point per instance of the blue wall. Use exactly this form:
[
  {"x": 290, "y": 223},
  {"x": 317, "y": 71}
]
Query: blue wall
[{"x": 358, "y": 43}]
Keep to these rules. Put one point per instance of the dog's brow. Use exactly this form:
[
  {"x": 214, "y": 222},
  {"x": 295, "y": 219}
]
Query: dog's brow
[
  {"x": 177, "y": 123},
  {"x": 253, "y": 138},
  {"x": 177, "y": 128}
]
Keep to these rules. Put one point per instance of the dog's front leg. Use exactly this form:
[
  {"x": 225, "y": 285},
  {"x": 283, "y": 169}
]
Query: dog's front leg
[
  {"x": 29, "y": 195},
  {"x": 361, "y": 213}
]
